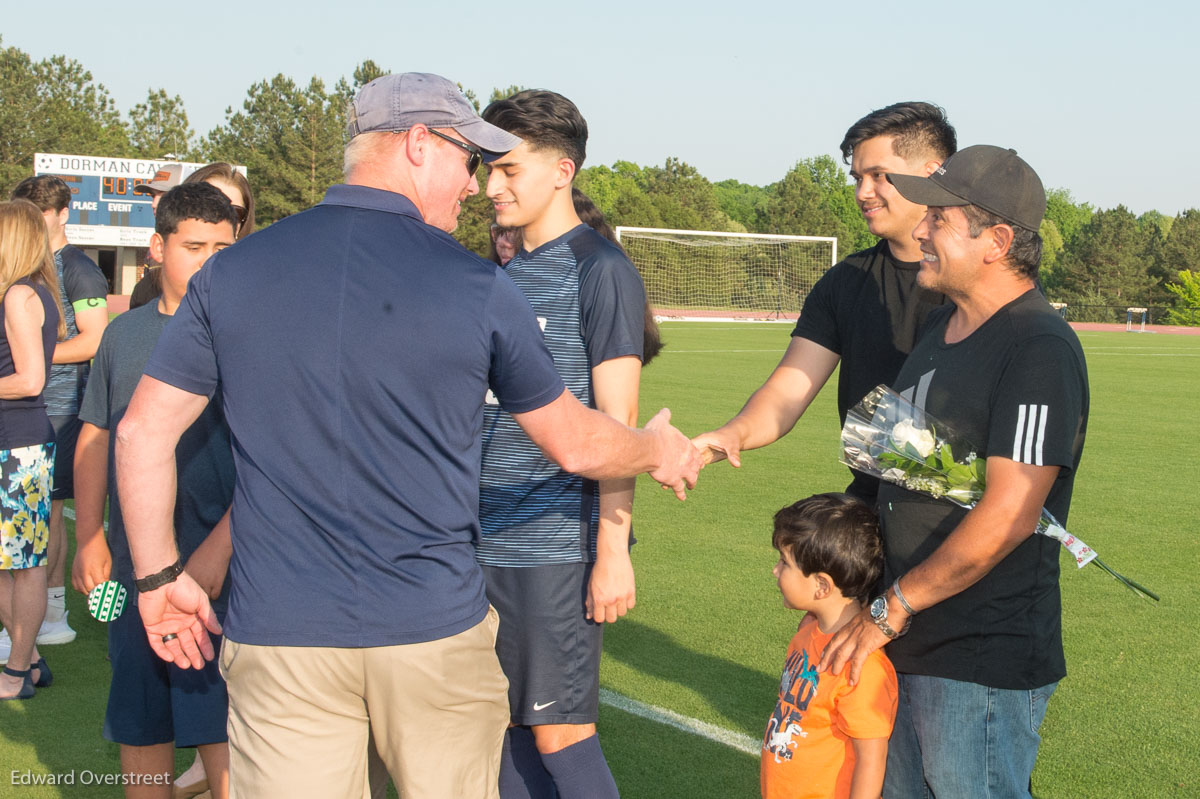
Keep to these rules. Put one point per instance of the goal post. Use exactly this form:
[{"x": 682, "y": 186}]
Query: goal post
[{"x": 705, "y": 274}]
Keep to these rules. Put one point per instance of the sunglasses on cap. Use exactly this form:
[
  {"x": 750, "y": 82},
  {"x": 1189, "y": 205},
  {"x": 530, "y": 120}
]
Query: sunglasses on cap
[{"x": 474, "y": 154}]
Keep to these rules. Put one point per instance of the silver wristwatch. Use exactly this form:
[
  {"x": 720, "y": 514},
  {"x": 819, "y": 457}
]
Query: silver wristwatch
[{"x": 879, "y": 614}]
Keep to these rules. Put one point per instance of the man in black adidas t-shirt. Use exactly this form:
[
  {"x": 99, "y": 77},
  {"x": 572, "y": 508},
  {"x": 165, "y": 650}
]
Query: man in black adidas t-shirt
[
  {"x": 866, "y": 310},
  {"x": 1005, "y": 372}
]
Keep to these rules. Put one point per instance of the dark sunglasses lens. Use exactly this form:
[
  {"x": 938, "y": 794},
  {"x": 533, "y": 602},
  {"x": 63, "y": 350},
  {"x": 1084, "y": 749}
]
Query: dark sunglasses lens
[{"x": 473, "y": 162}]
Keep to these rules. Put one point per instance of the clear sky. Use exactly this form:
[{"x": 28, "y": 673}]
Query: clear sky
[{"x": 1093, "y": 95}]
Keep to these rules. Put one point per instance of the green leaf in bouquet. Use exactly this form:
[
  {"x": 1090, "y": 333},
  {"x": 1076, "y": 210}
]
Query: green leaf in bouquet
[
  {"x": 960, "y": 475},
  {"x": 889, "y": 459},
  {"x": 979, "y": 468},
  {"x": 899, "y": 461},
  {"x": 947, "y": 457}
]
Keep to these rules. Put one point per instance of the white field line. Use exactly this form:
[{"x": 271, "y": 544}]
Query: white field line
[
  {"x": 724, "y": 320},
  {"x": 724, "y": 324},
  {"x": 734, "y": 740},
  {"x": 1114, "y": 347},
  {"x": 709, "y": 352}
]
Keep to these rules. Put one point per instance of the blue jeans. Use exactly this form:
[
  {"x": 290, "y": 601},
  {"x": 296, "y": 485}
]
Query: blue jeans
[{"x": 957, "y": 739}]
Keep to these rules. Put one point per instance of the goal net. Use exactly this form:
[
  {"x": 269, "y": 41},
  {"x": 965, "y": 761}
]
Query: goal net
[{"x": 705, "y": 274}]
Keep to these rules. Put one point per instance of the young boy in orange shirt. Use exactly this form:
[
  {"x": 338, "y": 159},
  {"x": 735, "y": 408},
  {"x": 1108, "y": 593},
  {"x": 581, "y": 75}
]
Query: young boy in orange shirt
[{"x": 827, "y": 738}]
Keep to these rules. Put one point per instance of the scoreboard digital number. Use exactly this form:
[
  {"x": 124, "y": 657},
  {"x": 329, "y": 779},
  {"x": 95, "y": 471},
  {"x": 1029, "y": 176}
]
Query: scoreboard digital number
[
  {"x": 104, "y": 211},
  {"x": 113, "y": 188}
]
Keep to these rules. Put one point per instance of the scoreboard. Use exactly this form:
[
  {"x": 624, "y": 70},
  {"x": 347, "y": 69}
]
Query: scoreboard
[{"x": 104, "y": 211}]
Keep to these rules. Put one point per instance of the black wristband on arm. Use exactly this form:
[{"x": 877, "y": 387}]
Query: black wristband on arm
[{"x": 159, "y": 579}]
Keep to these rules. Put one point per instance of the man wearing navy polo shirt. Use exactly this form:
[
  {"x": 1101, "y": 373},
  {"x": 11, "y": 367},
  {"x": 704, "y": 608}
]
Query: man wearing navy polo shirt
[{"x": 355, "y": 406}]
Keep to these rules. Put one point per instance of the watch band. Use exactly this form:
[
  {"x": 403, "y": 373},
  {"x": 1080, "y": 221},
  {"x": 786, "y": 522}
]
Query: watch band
[
  {"x": 900, "y": 596},
  {"x": 881, "y": 620},
  {"x": 159, "y": 579},
  {"x": 886, "y": 629}
]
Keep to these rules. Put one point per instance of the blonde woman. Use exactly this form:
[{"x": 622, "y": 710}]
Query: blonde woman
[{"x": 31, "y": 321}]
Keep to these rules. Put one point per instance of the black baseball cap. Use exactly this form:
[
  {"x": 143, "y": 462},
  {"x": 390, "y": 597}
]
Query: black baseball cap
[{"x": 993, "y": 178}]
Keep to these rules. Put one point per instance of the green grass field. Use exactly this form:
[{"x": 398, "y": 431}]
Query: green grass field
[{"x": 708, "y": 635}]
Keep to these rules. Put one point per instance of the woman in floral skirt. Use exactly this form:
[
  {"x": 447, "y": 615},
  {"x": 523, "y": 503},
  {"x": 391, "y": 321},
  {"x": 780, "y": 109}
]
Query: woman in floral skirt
[{"x": 30, "y": 324}]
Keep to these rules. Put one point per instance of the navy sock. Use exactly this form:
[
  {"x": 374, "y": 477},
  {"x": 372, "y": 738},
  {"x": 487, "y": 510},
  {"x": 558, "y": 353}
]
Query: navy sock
[
  {"x": 581, "y": 772},
  {"x": 522, "y": 775}
]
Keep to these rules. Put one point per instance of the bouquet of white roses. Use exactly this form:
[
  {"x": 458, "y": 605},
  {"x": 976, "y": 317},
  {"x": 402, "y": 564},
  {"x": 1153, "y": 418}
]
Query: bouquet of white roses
[{"x": 888, "y": 437}]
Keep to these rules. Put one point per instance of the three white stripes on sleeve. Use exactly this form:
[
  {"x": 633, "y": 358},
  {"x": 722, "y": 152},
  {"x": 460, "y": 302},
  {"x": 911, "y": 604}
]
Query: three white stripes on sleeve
[{"x": 1031, "y": 431}]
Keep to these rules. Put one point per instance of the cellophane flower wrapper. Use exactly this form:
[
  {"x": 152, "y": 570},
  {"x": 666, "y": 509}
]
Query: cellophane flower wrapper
[{"x": 890, "y": 438}]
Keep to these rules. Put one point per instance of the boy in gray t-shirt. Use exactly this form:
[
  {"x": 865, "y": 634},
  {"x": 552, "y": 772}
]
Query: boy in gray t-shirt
[{"x": 154, "y": 706}]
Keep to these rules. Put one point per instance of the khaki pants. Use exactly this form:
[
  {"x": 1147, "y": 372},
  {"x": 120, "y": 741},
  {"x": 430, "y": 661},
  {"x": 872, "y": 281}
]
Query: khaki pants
[{"x": 300, "y": 717}]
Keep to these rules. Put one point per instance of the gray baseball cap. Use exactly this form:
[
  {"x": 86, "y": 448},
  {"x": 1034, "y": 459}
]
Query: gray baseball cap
[
  {"x": 397, "y": 102},
  {"x": 166, "y": 178},
  {"x": 994, "y": 178}
]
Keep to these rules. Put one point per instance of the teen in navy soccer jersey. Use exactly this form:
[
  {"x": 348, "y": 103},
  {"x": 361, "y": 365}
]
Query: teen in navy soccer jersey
[{"x": 555, "y": 546}]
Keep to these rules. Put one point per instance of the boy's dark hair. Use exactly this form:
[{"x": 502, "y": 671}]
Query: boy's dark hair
[
  {"x": 547, "y": 120},
  {"x": 202, "y": 201},
  {"x": 836, "y": 534},
  {"x": 47, "y": 192},
  {"x": 917, "y": 129}
]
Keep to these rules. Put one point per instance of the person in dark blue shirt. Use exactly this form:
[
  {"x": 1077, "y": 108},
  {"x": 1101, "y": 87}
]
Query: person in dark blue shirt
[
  {"x": 83, "y": 294},
  {"x": 30, "y": 324},
  {"x": 155, "y": 706},
  {"x": 555, "y": 546},
  {"x": 352, "y": 345}
]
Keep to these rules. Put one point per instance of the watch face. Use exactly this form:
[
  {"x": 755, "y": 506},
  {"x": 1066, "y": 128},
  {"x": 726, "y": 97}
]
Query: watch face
[{"x": 879, "y": 608}]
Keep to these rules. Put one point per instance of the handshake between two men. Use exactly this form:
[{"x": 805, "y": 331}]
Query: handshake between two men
[{"x": 594, "y": 445}]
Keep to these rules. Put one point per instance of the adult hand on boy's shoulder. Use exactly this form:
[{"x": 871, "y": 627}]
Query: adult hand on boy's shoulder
[
  {"x": 179, "y": 611},
  {"x": 612, "y": 590},
  {"x": 851, "y": 646},
  {"x": 92, "y": 565}
]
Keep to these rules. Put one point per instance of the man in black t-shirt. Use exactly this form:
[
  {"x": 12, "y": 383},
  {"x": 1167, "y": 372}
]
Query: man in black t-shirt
[
  {"x": 866, "y": 310},
  {"x": 1001, "y": 368}
]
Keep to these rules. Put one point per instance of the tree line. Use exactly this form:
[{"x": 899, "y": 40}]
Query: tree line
[{"x": 290, "y": 136}]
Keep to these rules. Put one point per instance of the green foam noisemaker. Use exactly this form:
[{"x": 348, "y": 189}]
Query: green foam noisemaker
[{"x": 107, "y": 600}]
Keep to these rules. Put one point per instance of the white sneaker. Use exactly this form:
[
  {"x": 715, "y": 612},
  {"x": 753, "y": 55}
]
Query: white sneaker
[
  {"x": 5, "y": 647},
  {"x": 55, "y": 632}
]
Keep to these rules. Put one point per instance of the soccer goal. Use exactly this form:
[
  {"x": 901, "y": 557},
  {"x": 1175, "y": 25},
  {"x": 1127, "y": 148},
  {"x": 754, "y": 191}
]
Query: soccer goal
[{"x": 704, "y": 274}]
